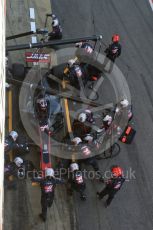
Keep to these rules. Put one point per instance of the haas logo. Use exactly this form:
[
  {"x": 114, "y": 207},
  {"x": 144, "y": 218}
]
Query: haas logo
[
  {"x": 114, "y": 51},
  {"x": 79, "y": 179},
  {"x": 86, "y": 151},
  {"x": 89, "y": 50},
  {"x": 117, "y": 186},
  {"x": 78, "y": 71},
  {"x": 48, "y": 188}
]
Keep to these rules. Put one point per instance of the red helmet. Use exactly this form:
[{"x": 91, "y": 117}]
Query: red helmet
[
  {"x": 116, "y": 171},
  {"x": 115, "y": 38}
]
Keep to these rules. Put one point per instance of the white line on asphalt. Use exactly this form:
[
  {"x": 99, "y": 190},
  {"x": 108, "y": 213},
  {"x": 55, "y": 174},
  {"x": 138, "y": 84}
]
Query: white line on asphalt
[
  {"x": 33, "y": 26},
  {"x": 32, "y": 13},
  {"x": 151, "y": 4},
  {"x": 34, "y": 39}
]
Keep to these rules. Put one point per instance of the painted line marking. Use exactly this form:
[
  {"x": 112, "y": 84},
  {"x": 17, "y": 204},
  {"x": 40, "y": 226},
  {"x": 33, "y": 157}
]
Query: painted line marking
[
  {"x": 33, "y": 26},
  {"x": 10, "y": 109},
  {"x": 68, "y": 121},
  {"x": 151, "y": 4},
  {"x": 32, "y": 13},
  {"x": 34, "y": 39},
  {"x": 67, "y": 112},
  {"x": 10, "y": 123}
]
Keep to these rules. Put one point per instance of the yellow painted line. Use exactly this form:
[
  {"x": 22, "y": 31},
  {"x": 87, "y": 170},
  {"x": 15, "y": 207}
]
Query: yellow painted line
[
  {"x": 67, "y": 116},
  {"x": 73, "y": 158},
  {"x": 10, "y": 109},
  {"x": 69, "y": 127},
  {"x": 67, "y": 111},
  {"x": 35, "y": 184},
  {"x": 10, "y": 123}
]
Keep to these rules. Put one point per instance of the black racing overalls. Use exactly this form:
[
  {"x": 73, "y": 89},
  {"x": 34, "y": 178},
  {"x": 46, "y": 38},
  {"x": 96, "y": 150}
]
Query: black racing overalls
[
  {"x": 47, "y": 196},
  {"x": 113, "y": 51},
  {"x": 56, "y": 33},
  {"x": 77, "y": 183},
  {"x": 112, "y": 187},
  {"x": 47, "y": 192}
]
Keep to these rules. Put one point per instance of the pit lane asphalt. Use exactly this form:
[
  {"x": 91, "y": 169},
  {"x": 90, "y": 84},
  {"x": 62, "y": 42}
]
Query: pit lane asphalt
[
  {"x": 132, "y": 207},
  {"x": 22, "y": 205}
]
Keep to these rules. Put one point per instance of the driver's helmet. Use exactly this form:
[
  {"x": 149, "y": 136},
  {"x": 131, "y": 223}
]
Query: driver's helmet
[{"x": 42, "y": 102}]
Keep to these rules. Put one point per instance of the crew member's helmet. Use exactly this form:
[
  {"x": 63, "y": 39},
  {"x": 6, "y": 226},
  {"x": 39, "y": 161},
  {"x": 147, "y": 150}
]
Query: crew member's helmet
[
  {"x": 78, "y": 44},
  {"x": 74, "y": 167},
  {"x": 18, "y": 161},
  {"x": 115, "y": 38},
  {"x": 107, "y": 118},
  {"x": 124, "y": 103},
  {"x": 49, "y": 172},
  {"x": 71, "y": 62},
  {"x": 82, "y": 117},
  {"x": 76, "y": 140},
  {"x": 88, "y": 138},
  {"x": 116, "y": 171},
  {"x": 14, "y": 135},
  {"x": 53, "y": 16}
]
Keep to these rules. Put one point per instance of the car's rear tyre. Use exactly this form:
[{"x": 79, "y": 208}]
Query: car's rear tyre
[{"x": 18, "y": 71}]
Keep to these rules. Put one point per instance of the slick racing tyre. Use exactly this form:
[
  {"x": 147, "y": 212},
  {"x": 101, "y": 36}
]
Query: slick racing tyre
[{"x": 18, "y": 71}]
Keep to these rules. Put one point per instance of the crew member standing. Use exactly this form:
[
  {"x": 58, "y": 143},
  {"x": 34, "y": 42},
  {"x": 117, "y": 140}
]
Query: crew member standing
[
  {"x": 114, "y": 49},
  {"x": 56, "y": 28},
  {"x": 113, "y": 185},
  {"x": 88, "y": 159},
  {"x": 47, "y": 185},
  {"x": 76, "y": 181}
]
